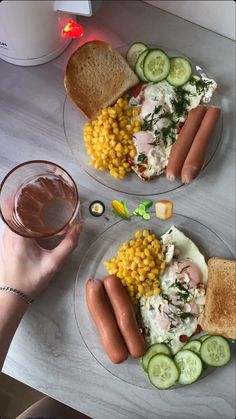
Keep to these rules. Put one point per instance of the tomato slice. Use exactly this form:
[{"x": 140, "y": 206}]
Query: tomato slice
[
  {"x": 136, "y": 90},
  {"x": 141, "y": 169},
  {"x": 198, "y": 329},
  {"x": 183, "y": 338}
]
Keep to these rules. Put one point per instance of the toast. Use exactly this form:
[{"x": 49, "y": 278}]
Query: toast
[
  {"x": 96, "y": 76},
  {"x": 219, "y": 316}
]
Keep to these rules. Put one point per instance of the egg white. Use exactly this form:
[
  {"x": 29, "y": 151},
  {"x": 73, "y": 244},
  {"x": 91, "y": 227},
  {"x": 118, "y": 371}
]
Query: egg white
[
  {"x": 185, "y": 248},
  {"x": 178, "y": 247}
]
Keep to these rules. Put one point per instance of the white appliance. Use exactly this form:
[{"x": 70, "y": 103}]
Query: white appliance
[{"x": 31, "y": 32}]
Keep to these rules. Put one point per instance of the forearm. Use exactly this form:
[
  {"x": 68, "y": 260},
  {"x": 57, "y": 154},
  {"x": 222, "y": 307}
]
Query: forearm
[{"x": 12, "y": 309}]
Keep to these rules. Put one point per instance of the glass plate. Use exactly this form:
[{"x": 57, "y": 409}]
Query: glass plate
[
  {"x": 105, "y": 247},
  {"x": 73, "y": 122}
]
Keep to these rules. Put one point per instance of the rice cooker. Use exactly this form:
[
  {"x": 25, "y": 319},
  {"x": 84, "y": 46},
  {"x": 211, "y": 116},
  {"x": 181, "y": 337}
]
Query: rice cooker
[{"x": 34, "y": 32}]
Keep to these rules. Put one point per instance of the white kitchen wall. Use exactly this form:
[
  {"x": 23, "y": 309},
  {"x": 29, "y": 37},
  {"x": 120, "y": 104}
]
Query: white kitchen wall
[{"x": 218, "y": 16}]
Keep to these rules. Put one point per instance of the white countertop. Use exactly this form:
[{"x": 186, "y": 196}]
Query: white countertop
[{"x": 47, "y": 352}]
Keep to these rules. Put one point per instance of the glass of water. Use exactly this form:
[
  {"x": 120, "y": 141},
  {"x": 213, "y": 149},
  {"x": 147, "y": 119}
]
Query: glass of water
[{"x": 39, "y": 199}]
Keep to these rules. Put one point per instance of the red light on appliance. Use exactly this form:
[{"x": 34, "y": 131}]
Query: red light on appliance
[{"x": 73, "y": 29}]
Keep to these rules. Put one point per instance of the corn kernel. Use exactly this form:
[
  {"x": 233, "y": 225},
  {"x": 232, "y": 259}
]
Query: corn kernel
[{"x": 135, "y": 266}]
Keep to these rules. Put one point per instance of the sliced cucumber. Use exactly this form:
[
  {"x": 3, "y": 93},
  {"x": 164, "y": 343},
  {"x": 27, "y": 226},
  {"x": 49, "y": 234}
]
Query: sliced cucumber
[
  {"x": 134, "y": 52},
  {"x": 162, "y": 371},
  {"x": 215, "y": 351},
  {"x": 156, "y": 65},
  {"x": 146, "y": 216},
  {"x": 141, "y": 212},
  {"x": 139, "y": 66},
  {"x": 193, "y": 345},
  {"x": 190, "y": 366},
  {"x": 204, "y": 337},
  {"x": 180, "y": 71},
  {"x": 156, "y": 348}
]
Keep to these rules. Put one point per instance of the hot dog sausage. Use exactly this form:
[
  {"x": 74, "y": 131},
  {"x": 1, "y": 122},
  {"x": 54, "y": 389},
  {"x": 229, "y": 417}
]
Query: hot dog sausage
[
  {"x": 104, "y": 319},
  {"x": 184, "y": 141},
  {"x": 196, "y": 156},
  {"x": 125, "y": 316}
]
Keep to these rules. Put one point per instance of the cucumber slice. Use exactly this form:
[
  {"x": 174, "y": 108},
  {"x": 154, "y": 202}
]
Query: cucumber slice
[
  {"x": 204, "y": 337},
  {"x": 142, "y": 207},
  {"x": 141, "y": 212},
  {"x": 156, "y": 65},
  {"x": 134, "y": 52},
  {"x": 146, "y": 216},
  {"x": 139, "y": 66},
  {"x": 146, "y": 204},
  {"x": 190, "y": 366},
  {"x": 193, "y": 345},
  {"x": 156, "y": 348},
  {"x": 180, "y": 71},
  {"x": 215, "y": 351},
  {"x": 162, "y": 371}
]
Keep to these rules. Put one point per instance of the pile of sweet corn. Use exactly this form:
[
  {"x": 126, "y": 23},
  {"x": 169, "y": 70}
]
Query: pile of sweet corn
[
  {"x": 138, "y": 264},
  {"x": 109, "y": 138}
]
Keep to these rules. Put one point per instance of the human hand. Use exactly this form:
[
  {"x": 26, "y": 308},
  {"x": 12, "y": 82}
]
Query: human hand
[{"x": 26, "y": 266}]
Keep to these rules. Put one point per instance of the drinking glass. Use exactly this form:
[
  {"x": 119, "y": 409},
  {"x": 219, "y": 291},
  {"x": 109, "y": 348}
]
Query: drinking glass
[{"x": 39, "y": 199}]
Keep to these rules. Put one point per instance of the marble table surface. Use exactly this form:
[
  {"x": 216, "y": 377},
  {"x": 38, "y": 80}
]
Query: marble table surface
[{"x": 47, "y": 352}]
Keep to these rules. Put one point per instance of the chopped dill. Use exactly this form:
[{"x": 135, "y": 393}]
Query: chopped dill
[
  {"x": 184, "y": 316},
  {"x": 150, "y": 119},
  {"x": 166, "y": 297},
  {"x": 200, "y": 84},
  {"x": 181, "y": 101},
  {"x": 157, "y": 138},
  {"x": 169, "y": 133},
  {"x": 141, "y": 158},
  {"x": 183, "y": 293},
  {"x": 168, "y": 341}
]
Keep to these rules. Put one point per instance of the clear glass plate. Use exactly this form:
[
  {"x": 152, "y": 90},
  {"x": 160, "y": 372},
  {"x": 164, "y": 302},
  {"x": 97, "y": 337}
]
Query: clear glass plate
[
  {"x": 74, "y": 120},
  {"x": 105, "y": 247}
]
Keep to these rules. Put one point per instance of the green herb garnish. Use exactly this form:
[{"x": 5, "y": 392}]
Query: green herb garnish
[
  {"x": 157, "y": 138},
  {"x": 184, "y": 293},
  {"x": 166, "y": 297},
  {"x": 150, "y": 119},
  {"x": 168, "y": 341},
  {"x": 169, "y": 133},
  {"x": 181, "y": 101},
  {"x": 200, "y": 84},
  {"x": 141, "y": 158},
  {"x": 184, "y": 316}
]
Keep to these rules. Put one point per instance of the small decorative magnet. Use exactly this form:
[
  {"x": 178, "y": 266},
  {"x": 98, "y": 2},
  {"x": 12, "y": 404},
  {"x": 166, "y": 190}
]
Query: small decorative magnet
[
  {"x": 120, "y": 208},
  {"x": 142, "y": 209},
  {"x": 164, "y": 209},
  {"x": 97, "y": 208}
]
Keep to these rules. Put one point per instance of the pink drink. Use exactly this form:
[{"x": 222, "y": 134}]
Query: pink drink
[
  {"x": 44, "y": 205},
  {"x": 39, "y": 199}
]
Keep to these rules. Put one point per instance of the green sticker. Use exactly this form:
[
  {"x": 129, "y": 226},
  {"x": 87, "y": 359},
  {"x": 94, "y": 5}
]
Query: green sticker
[
  {"x": 141, "y": 212},
  {"x": 146, "y": 216},
  {"x": 146, "y": 204}
]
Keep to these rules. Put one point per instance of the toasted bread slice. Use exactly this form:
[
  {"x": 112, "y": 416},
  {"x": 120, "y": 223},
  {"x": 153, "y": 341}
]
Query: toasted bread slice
[
  {"x": 219, "y": 316},
  {"x": 96, "y": 76}
]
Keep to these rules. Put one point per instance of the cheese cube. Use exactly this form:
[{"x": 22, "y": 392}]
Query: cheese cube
[{"x": 164, "y": 209}]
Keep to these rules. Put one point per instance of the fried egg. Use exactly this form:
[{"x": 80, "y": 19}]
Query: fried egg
[
  {"x": 163, "y": 110},
  {"x": 172, "y": 316}
]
